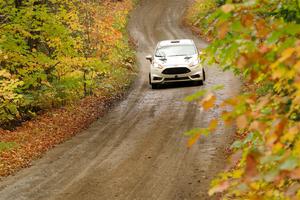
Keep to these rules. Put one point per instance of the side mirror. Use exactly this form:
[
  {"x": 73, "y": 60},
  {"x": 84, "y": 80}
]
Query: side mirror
[{"x": 150, "y": 58}]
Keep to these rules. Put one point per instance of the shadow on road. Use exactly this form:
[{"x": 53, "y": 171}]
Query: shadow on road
[{"x": 179, "y": 85}]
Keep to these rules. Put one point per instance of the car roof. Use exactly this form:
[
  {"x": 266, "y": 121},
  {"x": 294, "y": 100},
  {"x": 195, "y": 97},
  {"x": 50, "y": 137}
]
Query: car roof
[{"x": 176, "y": 42}]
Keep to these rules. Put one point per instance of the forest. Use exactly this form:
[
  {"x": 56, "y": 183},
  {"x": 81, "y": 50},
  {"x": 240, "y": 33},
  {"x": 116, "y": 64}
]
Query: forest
[
  {"x": 62, "y": 63},
  {"x": 53, "y": 52}
]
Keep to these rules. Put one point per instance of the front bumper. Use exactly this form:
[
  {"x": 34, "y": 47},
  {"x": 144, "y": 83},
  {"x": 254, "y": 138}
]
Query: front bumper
[{"x": 194, "y": 74}]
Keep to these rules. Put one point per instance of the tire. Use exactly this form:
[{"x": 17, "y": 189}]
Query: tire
[
  {"x": 153, "y": 85},
  {"x": 150, "y": 79},
  {"x": 203, "y": 74}
]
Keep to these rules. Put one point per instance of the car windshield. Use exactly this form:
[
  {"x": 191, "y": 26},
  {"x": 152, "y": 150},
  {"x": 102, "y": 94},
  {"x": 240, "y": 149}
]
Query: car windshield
[{"x": 176, "y": 50}]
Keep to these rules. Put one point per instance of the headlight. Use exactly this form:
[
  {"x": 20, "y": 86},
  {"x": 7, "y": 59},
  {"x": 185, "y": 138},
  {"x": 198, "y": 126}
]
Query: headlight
[
  {"x": 156, "y": 65},
  {"x": 195, "y": 63}
]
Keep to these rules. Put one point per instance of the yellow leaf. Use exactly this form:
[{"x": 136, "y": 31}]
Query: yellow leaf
[
  {"x": 297, "y": 66},
  {"x": 297, "y": 85},
  {"x": 213, "y": 125},
  {"x": 193, "y": 140},
  {"x": 278, "y": 73},
  {"x": 297, "y": 147},
  {"x": 286, "y": 54},
  {"x": 277, "y": 147},
  {"x": 5, "y": 74},
  {"x": 255, "y": 185},
  {"x": 209, "y": 101},
  {"x": 290, "y": 135}
]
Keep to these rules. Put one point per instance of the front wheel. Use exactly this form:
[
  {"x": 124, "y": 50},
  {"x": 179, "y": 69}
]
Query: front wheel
[
  {"x": 150, "y": 79},
  {"x": 203, "y": 74}
]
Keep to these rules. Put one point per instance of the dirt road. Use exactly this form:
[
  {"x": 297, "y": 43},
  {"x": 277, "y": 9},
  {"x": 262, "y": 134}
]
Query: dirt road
[{"x": 137, "y": 151}]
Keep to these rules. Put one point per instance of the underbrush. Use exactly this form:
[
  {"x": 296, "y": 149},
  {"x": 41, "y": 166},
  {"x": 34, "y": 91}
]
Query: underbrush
[{"x": 258, "y": 41}]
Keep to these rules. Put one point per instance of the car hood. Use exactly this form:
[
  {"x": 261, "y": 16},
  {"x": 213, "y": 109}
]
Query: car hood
[{"x": 176, "y": 61}]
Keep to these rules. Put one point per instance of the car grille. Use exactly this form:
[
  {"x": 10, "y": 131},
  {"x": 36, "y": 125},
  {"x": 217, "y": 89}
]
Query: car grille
[
  {"x": 176, "y": 70},
  {"x": 175, "y": 79}
]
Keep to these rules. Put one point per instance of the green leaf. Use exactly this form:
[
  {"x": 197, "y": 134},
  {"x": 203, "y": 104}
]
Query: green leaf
[
  {"x": 289, "y": 164},
  {"x": 4, "y": 146},
  {"x": 195, "y": 96},
  {"x": 270, "y": 159},
  {"x": 193, "y": 132},
  {"x": 274, "y": 37},
  {"x": 217, "y": 87},
  {"x": 292, "y": 28},
  {"x": 237, "y": 144},
  {"x": 271, "y": 175}
]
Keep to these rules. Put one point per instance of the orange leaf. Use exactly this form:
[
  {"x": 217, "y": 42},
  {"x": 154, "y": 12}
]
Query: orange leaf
[
  {"x": 209, "y": 101},
  {"x": 242, "y": 122},
  {"x": 234, "y": 159},
  {"x": 250, "y": 170},
  {"x": 258, "y": 126},
  {"x": 278, "y": 126},
  {"x": 263, "y": 102},
  {"x": 247, "y": 20},
  {"x": 219, "y": 188},
  {"x": 226, "y": 118},
  {"x": 223, "y": 30},
  {"x": 295, "y": 174},
  {"x": 241, "y": 62},
  {"x": 263, "y": 49},
  {"x": 262, "y": 30}
]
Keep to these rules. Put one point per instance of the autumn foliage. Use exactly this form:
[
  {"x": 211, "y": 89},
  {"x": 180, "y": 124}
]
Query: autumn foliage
[
  {"x": 259, "y": 41},
  {"x": 54, "y": 52},
  {"x": 61, "y": 64}
]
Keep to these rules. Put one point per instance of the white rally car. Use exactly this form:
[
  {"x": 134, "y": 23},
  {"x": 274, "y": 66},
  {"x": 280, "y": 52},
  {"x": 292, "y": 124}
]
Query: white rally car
[{"x": 175, "y": 61}]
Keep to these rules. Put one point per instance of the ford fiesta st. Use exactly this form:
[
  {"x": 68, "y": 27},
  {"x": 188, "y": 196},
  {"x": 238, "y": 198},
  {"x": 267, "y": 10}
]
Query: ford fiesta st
[{"x": 175, "y": 61}]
